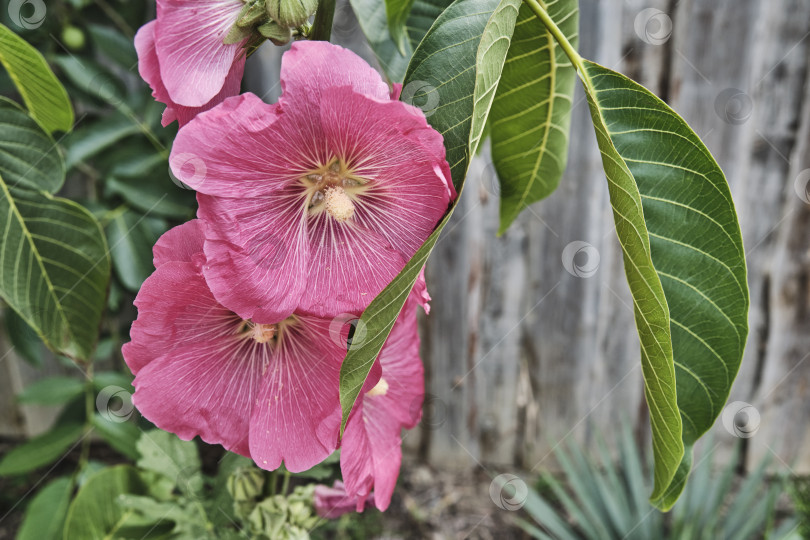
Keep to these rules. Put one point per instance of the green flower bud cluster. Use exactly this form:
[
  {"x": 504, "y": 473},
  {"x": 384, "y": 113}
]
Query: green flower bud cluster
[
  {"x": 280, "y": 516},
  {"x": 269, "y": 19},
  {"x": 288, "y": 517}
]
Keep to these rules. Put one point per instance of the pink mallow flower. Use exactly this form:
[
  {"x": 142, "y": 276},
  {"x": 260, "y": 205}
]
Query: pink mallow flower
[
  {"x": 333, "y": 502},
  {"x": 149, "y": 68},
  {"x": 314, "y": 203},
  {"x": 371, "y": 451},
  {"x": 267, "y": 391}
]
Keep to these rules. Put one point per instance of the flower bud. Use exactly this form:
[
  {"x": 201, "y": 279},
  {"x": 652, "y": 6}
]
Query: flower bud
[
  {"x": 237, "y": 34},
  {"x": 291, "y": 12},
  {"x": 276, "y": 33},
  {"x": 245, "y": 484},
  {"x": 252, "y": 13}
]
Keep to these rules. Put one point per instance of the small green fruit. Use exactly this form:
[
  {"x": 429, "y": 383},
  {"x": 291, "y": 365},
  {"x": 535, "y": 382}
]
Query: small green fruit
[{"x": 73, "y": 38}]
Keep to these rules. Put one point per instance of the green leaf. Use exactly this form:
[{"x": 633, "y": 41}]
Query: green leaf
[
  {"x": 96, "y": 511},
  {"x": 122, "y": 435},
  {"x": 42, "y": 450},
  {"x": 52, "y": 391},
  {"x": 531, "y": 113},
  {"x": 93, "y": 79},
  {"x": 25, "y": 340},
  {"x": 45, "y": 516},
  {"x": 178, "y": 461},
  {"x": 131, "y": 240},
  {"x": 96, "y": 137},
  {"x": 113, "y": 44},
  {"x": 104, "y": 379},
  {"x": 459, "y": 61},
  {"x": 684, "y": 259},
  {"x": 371, "y": 15},
  {"x": 54, "y": 268},
  {"x": 144, "y": 183},
  {"x": 460, "y": 58},
  {"x": 29, "y": 156},
  {"x": 397, "y": 13},
  {"x": 44, "y": 95}
]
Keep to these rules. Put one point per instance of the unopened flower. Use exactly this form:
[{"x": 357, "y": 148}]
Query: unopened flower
[
  {"x": 291, "y": 12},
  {"x": 313, "y": 204},
  {"x": 265, "y": 391}
]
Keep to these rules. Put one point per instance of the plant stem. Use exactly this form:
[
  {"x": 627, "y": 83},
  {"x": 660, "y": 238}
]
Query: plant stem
[
  {"x": 89, "y": 402},
  {"x": 285, "y": 483},
  {"x": 322, "y": 27},
  {"x": 540, "y": 10}
]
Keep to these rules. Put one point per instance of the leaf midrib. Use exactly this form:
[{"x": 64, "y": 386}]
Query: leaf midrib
[{"x": 30, "y": 240}]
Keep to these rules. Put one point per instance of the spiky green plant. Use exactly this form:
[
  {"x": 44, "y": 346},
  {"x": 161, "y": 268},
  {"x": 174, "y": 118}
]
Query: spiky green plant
[{"x": 606, "y": 498}]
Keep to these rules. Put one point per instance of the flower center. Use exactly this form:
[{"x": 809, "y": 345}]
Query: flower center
[
  {"x": 262, "y": 333},
  {"x": 338, "y": 204},
  {"x": 266, "y": 333},
  {"x": 380, "y": 389},
  {"x": 334, "y": 189}
]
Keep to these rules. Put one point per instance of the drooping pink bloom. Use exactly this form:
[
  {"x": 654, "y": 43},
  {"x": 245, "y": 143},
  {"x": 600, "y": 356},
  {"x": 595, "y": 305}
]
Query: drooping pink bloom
[
  {"x": 316, "y": 202},
  {"x": 268, "y": 391},
  {"x": 149, "y": 69},
  {"x": 189, "y": 41},
  {"x": 371, "y": 450},
  {"x": 333, "y": 502}
]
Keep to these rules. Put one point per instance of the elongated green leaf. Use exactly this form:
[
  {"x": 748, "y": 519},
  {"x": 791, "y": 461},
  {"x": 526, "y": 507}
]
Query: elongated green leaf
[
  {"x": 684, "y": 260},
  {"x": 96, "y": 137},
  {"x": 371, "y": 15},
  {"x": 123, "y": 436},
  {"x": 27, "y": 344},
  {"x": 54, "y": 268},
  {"x": 52, "y": 391},
  {"x": 460, "y": 59},
  {"x": 531, "y": 113},
  {"x": 46, "y": 514},
  {"x": 131, "y": 242},
  {"x": 42, "y": 450},
  {"x": 113, "y": 44},
  {"x": 397, "y": 12},
  {"x": 177, "y": 460},
  {"x": 29, "y": 156},
  {"x": 459, "y": 62},
  {"x": 96, "y": 511},
  {"x": 42, "y": 92}
]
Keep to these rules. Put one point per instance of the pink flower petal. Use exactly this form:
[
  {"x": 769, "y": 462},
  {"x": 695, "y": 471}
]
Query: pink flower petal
[
  {"x": 371, "y": 448},
  {"x": 183, "y": 243},
  {"x": 311, "y": 69},
  {"x": 149, "y": 69},
  {"x": 256, "y": 255},
  {"x": 204, "y": 376},
  {"x": 238, "y": 149},
  {"x": 407, "y": 197},
  {"x": 194, "y": 62},
  {"x": 257, "y": 166},
  {"x": 348, "y": 266},
  {"x": 296, "y": 417},
  {"x": 333, "y": 502}
]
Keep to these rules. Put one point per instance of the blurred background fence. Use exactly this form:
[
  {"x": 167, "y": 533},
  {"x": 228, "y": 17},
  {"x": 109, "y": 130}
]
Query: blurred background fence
[{"x": 531, "y": 340}]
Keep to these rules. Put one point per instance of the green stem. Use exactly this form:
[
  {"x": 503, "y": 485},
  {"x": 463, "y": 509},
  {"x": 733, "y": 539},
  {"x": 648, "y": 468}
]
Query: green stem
[
  {"x": 89, "y": 411},
  {"x": 286, "y": 483},
  {"x": 539, "y": 9},
  {"x": 322, "y": 27}
]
